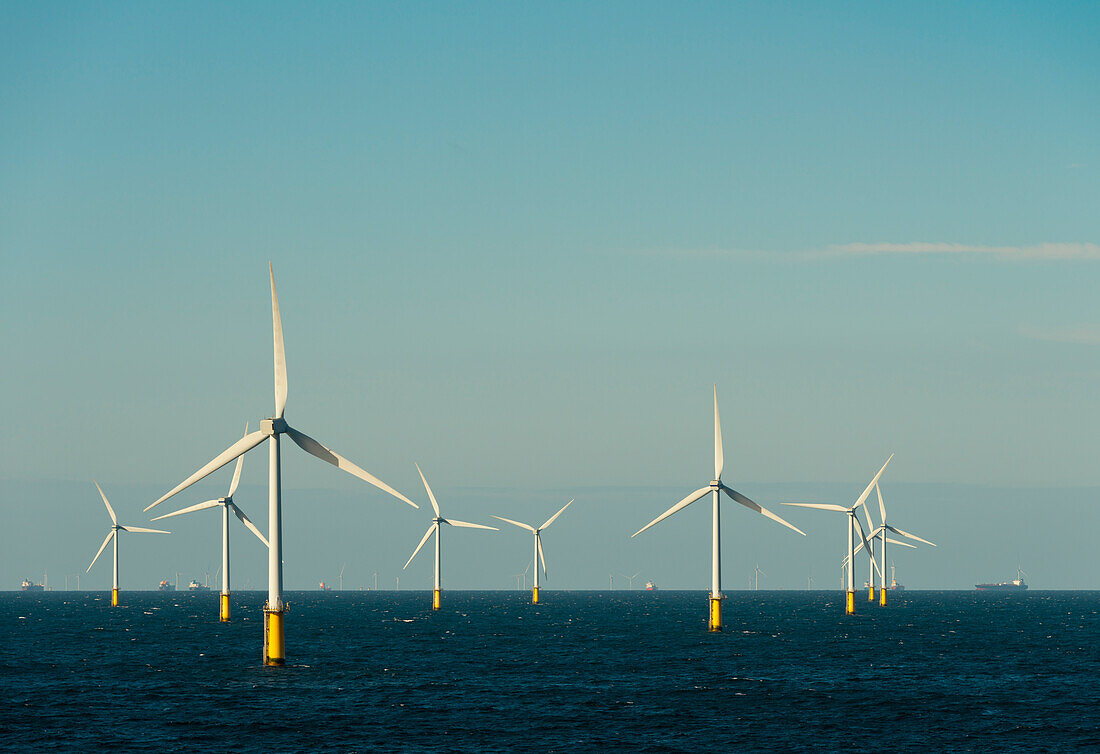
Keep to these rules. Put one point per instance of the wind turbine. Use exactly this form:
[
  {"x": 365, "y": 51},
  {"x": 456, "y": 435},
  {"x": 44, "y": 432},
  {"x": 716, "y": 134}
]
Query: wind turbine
[
  {"x": 116, "y": 527},
  {"x": 436, "y": 528},
  {"x": 341, "y": 576},
  {"x": 756, "y": 577},
  {"x": 853, "y": 522},
  {"x": 539, "y": 556},
  {"x": 715, "y": 488},
  {"x": 271, "y": 430},
  {"x": 630, "y": 579},
  {"x": 882, "y": 533},
  {"x": 226, "y": 503}
]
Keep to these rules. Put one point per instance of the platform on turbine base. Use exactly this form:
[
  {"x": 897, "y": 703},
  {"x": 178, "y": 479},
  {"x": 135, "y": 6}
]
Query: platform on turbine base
[{"x": 274, "y": 637}]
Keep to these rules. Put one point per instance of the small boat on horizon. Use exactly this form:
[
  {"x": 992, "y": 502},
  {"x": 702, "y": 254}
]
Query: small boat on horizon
[{"x": 650, "y": 586}]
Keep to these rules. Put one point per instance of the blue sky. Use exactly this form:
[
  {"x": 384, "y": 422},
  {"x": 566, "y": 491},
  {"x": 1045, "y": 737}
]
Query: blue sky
[{"x": 518, "y": 243}]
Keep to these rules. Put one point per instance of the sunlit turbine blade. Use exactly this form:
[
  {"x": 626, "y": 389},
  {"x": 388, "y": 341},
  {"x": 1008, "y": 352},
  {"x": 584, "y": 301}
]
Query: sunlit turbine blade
[
  {"x": 243, "y": 445},
  {"x": 738, "y": 497},
  {"x": 899, "y": 543},
  {"x": 466, "y": 525},
  {"x": 863, "y": 536},
  {"x": 517, "y": 523},
  {"x": 237, "y": 471},
  {"x": 191, "y": 509},
  {"x": 431, "y": 496},
  {"x": 907, "y": 535},
  {"x": 140, "y": 530},
  {"x": 674, "y": 509},
  {"x": 314, "y": 448},
  {"x": 280, "y": 355},
  {"x": 423, "y": 539},
  {"x": 554, "y": 518},
  {"x": 542, "y": 555},
  {"x": 114, "y": 519},
  {"x": 719, "y": 458},
  {"x": 110, "y": 534},
  {"x": 247, "y": 522},
  {"x": 862, "y": 498},
  {"x": 820, "y": 506},
  {"x": 881, "y": 506}
]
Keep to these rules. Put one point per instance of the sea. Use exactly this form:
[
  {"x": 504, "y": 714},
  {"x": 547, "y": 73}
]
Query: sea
[{"x": 581, "y": 671}]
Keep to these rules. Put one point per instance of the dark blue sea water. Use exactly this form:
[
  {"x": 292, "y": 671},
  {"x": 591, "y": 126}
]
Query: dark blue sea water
[{"x": 584, "y": 671}]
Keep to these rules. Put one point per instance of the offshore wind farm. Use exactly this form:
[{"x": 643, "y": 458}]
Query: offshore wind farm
[{"x": 522, "y": 251}]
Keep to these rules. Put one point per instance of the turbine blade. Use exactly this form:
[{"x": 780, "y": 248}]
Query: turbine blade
[
  {"x": 237, "y": 471},
  {"x": 719, "y": 458},
  {"x": 114, "y": 519},
  {"x": 311, "y": 446},
  {"x": 431, "y": 496},
  {"x": 863, "y": 536},
  {"x": 517, "y": 523},
  {"x": 423, "y": 539},
  {"x": 820, "y": 506},
  {"x": 247, "y": 522},
  {"x": 466, "y": 525},
  {"x": 103, "y": 546},
  {"x": 242, "y": 446},
  {"x": 899, "y": 543},
  {"x": 674, "y": 509},
  {"x": 280, "y": 356},
  {"x": 554, "y": 518},
  {"x": 191, "y": 509},
  {"x": 881, "y": 506},
  {"x": 907, "y": 535},
  {"x": 738, "y": 497},
  {"x": 140, "y": 530},
  {"x": 542, "y": 556},
  {"x": 863, "y": 498}
]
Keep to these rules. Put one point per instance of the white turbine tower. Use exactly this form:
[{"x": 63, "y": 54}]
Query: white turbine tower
[
  {"x": 226, "y": 503},
  {"x": 853, "y": 522},
  {"x": 539, "y": 556},
  {"x": 116, "y": 527},
  {"x": 436, "y": 528},
  {"x": 715, "y": 488},
  {"x": 271, "y": 430}
]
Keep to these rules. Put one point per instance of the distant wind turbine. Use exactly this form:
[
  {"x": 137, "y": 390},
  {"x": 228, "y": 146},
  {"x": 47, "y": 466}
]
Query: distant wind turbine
[
  {"x": 630, "y": 579},
  {"x": 116, "y": 527},
  {"x": 436, "y": 528},
  {"x": 270, "y": 430},
  {"x": 853, "y": 522},
  {"x": 715, "y": 488},
  {"x": 882, "y": 534},
  {"x": 539, "y": 555}
]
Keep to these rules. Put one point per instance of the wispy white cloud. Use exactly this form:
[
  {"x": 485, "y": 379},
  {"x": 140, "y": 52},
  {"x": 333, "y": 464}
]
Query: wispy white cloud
[
  {"x": 1036, "y": 251},
  {"x": 1080, "y": 334}
]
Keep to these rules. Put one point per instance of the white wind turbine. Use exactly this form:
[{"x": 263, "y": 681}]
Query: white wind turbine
[
  {"x": 436, "y": 528},
  {"x": 853, "y": 522},
  {"x": 116, "y": 527},
  {"x": 226, "y": 504},
  {"x": 271, "y": 430},
  {"x": 882, "y": 533},
  {"x": 715, "y": 488},
  {"x": 539, "y": 556}
]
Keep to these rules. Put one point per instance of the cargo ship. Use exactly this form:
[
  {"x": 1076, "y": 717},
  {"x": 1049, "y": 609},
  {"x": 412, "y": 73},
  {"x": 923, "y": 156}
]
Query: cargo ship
[
  {"x": 650, "y": 586},
  {"x": 1016, "y": 585},
  {"x": 195, "y": 586},
  {"x": 30, "y": 586},
  {"x": 164, "y": 586}
]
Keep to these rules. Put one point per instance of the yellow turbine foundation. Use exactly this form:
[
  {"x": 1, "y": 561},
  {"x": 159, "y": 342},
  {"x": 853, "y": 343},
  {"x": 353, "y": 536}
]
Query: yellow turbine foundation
[
  {"x": 715, "y": 622},
  {"x": 850, "y": 604},
  {"x": 225, "y": 608},
  {"x": 882, "y": 597},
  {"x": 114, "y": 598},
  {"x": 274, "y": 638},
  {"x": 436, "y": 599},
  {"x": 871, "y": 595},
  {"x": 535, "y": 596}
]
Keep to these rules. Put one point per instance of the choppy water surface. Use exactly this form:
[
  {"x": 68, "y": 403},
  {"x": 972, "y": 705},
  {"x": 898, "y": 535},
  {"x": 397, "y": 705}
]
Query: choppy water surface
[{"x": 631, "y": 671}]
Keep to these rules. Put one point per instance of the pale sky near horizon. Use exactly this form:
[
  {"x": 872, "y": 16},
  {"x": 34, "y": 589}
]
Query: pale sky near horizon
[{"x": 518, "y": 243}]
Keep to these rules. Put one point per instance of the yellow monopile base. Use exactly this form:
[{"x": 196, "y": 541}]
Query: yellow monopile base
[
  {"x": 114, "y": 598},
  {"x": 535, "y": 596},
  {"x": 225, "y": 608},
  {"x": 871, "y": 595},
  {"x": 436, "y": 599},
  {"x": 850, "y": 604},
  {"x": 715, "y": 622},
  {"x": 274, "y": 638},
  {"x": 882, "y": 597}
]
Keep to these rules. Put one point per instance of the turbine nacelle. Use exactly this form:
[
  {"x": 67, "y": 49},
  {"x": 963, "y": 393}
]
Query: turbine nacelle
[{"x": 273, "y": 427}]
